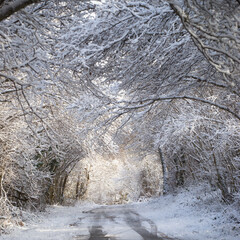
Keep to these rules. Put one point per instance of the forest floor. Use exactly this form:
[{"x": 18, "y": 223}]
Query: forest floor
[{"x": 188, "y": 215}]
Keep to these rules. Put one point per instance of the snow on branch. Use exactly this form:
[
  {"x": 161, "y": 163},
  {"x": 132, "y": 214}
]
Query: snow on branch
[
  {"x": 214, "y": 29},
  {"x": 150, "y": 101}
]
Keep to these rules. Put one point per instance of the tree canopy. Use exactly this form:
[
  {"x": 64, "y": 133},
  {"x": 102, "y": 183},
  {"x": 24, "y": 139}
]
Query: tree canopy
[{"x": 90, "y": 78}]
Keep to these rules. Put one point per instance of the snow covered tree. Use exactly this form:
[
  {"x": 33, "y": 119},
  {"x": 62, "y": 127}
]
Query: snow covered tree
[
  {"x": 137, "y": 68},
  {"x": 37, "y": 148},
  {"x": 214, "y": 28},
  {"x": 149, "y": 59},
  {"x": 201, "y": 146}
]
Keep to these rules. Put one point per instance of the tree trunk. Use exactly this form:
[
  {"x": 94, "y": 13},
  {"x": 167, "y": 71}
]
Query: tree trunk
[
  {"x": 164, "y": 171},
  {"x": 226, "y": 196}
]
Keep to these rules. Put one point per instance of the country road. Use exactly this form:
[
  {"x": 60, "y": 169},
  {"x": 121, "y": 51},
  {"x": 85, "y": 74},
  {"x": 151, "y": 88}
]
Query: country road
[
  {"x": 179, "y": 217},
  {"x": 89, "y": 223},
  {"x": 114, "y": 223}
]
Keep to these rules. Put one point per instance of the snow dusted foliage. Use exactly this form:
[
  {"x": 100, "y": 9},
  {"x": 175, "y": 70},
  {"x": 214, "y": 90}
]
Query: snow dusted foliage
[
  {"x": 38, "y": 149},
  {"x": 64, "y": 152},
  {"x": 116, "y": 179},
  {"x": 142, "y": 59},
  {"x": 202, "y": 146},
  {"x": 135, "y": 51},
  {"x": 22, "y": 72},
  {"x": 198, "y": 142},
  {"x": 22, "y": 183},
  {"x": 25, "y": 52},
  {"x": 125, "y": 44},
  {"x": 214, "y": 27},
  {"x": 135, "y": 72},
  {"x": 34, "y": 164}
]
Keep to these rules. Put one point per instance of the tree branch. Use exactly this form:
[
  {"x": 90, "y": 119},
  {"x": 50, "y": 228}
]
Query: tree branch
[
  {"x": 8, "y": 9},
  {"x": 150, "y": 101}
]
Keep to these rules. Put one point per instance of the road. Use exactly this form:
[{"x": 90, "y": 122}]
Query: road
[{"x": 114, "y": 223}]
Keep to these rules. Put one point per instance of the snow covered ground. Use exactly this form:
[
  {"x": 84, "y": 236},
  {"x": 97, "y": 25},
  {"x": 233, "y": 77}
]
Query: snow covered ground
[
  {"x": 193, "y": 214},
  {"x": 188, "y": 215}
]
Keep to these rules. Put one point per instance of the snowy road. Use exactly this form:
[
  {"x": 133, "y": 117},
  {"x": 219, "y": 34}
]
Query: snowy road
[
  {"x": 115, "y": 223},
  {"x": 180, "y": 216},
  {"x": 89, "y": 223}
]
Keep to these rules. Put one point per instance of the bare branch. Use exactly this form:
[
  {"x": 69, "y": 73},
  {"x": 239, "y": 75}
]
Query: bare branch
[
  {"x": 146, "y": 102},
  {"x": 10, "y": 8}
]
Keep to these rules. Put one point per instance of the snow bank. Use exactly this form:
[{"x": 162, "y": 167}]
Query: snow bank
[
  {"x": 193, "y": 214},
  {"x": 57, "y": 223}
]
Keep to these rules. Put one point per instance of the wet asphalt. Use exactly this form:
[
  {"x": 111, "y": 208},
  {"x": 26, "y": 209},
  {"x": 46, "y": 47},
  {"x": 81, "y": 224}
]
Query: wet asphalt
[{"x": 114, "y": 223}]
